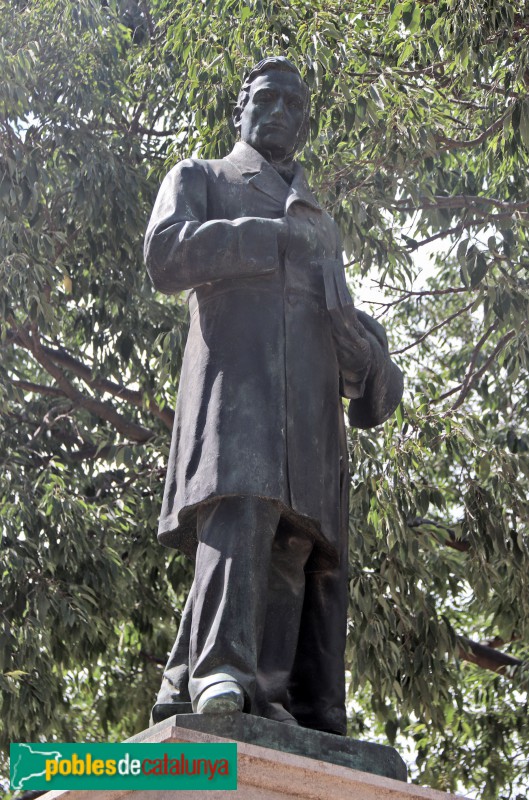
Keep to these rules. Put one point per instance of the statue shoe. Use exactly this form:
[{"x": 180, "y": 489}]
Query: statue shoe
[
  {"x": 221, "y": 698},
  {"x": 278, "y": 713}
]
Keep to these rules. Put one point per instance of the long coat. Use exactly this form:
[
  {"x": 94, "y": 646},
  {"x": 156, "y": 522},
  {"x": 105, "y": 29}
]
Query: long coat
[{"x": 259, "y": 410}]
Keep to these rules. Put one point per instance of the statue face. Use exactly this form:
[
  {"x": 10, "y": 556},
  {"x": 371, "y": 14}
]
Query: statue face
[{"x": 272, "y": 118}]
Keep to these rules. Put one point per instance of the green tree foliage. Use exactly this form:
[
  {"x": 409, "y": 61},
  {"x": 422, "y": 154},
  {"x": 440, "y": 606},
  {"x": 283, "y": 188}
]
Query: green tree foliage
[{"x": 419, "y": 135}]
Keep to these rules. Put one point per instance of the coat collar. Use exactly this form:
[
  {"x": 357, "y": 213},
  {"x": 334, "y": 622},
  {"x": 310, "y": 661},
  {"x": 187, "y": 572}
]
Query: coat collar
[{"x": 265, "y": 178}]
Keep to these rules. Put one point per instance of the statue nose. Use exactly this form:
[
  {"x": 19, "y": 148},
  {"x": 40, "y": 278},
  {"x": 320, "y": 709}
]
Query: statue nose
[{"x": 278, "y": 109}]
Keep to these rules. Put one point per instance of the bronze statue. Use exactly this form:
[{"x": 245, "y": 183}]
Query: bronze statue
[{"x": 257, "y": 482}]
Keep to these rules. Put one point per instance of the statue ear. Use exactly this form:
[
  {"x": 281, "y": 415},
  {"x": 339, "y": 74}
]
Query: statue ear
[{"x": 236, "y": 117}]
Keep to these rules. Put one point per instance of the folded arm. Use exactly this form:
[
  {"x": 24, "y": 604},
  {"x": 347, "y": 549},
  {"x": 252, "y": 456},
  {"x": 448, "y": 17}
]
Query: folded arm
[{"x": 184, "y": 249}]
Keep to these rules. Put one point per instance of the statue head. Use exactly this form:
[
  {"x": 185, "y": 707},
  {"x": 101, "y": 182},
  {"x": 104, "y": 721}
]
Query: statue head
[{"x": 272, "y": 111}]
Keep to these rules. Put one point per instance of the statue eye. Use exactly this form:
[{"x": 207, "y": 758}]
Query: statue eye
[{"x": 265, "y": 97}]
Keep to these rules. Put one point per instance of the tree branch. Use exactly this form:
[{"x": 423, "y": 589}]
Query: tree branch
[
  {"x": 428, "y": 292},
  {"x": 433, "y": 329},
  {"x": 424, "y": 293},
  {"x": 497, "y": 641},
  {"x": 135, "y": 397},
  {"x": 413, "y": 245},
  {"x": 463, "y": 387},
  {"x": 453, "y": 541},
  {"x": 456, "y": 230},
  {"x": 147, "y": 13},
  {"x": 469, "y": 201},
  {"x": 37, "y": 388},
  {"x": 99, "y": 408},
  {"x": 153, "y": 659},
  {"x": 63, "y": 358},
  {"x": 470, "y": 369},
  {"x": 486, "y": 657},
  {"x": 457, "y": 144}
]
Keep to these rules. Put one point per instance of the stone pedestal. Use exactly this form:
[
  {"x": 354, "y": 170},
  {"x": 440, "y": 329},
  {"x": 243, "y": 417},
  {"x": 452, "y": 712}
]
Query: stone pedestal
[
  {"x": 340, "y": 750},
  {"x": 267, "y": 773}
]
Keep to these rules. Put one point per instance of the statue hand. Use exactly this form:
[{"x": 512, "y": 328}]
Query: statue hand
[{"x": 351, "y": 340}]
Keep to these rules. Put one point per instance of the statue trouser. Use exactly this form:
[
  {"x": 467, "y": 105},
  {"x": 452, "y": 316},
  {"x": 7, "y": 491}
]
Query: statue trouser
[{"x": 258, "y": 615}]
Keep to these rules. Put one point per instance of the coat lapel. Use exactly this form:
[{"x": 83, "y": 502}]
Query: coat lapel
[
  {"x": 266, "y": 179},
  {"x": 300, "y": 192},
  {"x": 258, "y": 172},
  {"x": 271, "y": 183}
]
